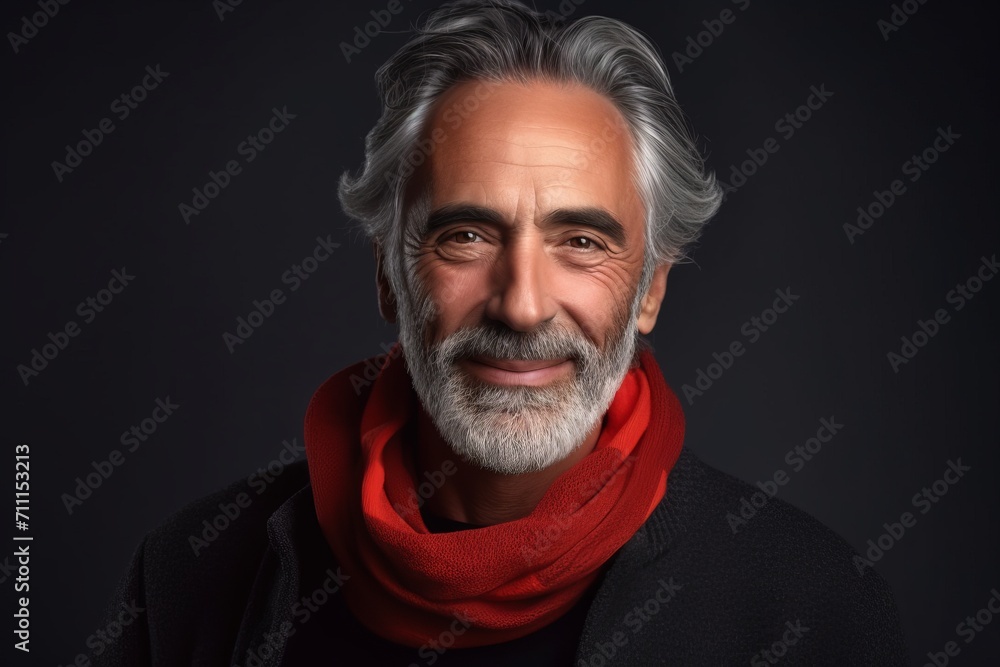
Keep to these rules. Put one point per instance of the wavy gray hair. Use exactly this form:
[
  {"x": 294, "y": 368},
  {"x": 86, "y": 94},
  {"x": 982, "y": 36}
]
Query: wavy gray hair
[{"x": 502, "y": 40}]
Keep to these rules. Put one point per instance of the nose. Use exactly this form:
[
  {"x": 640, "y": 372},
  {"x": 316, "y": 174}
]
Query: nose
[{"x": 522, "y": 291}]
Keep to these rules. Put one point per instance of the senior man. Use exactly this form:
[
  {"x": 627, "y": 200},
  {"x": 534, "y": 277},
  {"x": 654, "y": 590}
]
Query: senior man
[{"x": 511, "y": 486}]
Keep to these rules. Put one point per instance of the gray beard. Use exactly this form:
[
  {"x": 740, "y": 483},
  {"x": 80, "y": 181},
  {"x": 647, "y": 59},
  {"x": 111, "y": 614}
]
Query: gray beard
[{"x": 513, "y": 430}]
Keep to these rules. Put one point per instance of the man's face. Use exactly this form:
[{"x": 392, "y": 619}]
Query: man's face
[{"x": 523, "y": 308}]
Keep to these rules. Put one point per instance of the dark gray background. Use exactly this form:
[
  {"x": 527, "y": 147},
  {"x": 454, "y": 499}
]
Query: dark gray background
[{"x": 825, "y": 357}]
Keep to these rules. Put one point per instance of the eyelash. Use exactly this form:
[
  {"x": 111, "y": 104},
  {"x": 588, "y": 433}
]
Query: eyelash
[
  {"x": 452, "y": 235},
  {"x": 596, "y": 244}
]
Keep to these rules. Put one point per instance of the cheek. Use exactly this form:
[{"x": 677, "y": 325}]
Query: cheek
[
  {"x": 597, "y": 302},
  {"x": 455, "y": 295},
  {"x": 591, "y": 301}
]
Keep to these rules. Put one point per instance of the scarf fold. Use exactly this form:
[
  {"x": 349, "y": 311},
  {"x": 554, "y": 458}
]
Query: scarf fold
[{"x": 495, "y": 583}]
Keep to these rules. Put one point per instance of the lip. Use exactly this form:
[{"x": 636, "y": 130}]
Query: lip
[{"x": 516, "y": 371}]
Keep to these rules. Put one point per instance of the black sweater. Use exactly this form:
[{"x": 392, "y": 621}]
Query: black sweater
[{"x": 685, "y": 590}]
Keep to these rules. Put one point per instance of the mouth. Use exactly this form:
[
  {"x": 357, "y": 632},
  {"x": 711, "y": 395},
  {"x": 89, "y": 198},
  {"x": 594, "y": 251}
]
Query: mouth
[{"x": 531, "y": 372}]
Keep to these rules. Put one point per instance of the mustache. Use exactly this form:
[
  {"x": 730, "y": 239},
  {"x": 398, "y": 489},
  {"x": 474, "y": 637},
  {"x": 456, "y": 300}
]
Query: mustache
[{"x": 501, "y": 342}]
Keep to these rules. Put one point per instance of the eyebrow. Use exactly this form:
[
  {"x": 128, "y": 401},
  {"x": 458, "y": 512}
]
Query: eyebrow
[{"x": 588, "y": 216}]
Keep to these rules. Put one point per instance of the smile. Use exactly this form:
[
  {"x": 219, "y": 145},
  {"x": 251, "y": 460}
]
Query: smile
[{"x": 532, "y": 372}]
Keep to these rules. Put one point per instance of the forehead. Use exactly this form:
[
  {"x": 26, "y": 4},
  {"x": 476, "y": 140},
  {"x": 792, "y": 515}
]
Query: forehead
[{"x": 537, "y": 146}]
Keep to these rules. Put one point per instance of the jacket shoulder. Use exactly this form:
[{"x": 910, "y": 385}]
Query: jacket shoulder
[
  {"x": 226, "y": 517},
  {"x": 743, "y": 559},
  {"x": 196, "y": 571},
  {"x": 766, "y": 542}
]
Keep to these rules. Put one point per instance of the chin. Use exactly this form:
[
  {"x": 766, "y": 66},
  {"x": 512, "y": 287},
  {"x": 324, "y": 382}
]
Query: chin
[{"x": 491, "y": 444}]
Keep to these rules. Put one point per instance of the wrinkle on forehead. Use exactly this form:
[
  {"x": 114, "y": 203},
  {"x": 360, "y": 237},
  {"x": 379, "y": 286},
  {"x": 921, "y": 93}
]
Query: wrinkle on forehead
[{"x": 564, "y": 140}]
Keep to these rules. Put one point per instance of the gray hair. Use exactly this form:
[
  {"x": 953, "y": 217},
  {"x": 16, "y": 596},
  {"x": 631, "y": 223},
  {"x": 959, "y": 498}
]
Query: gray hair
[{"x": 502, "y": 40}]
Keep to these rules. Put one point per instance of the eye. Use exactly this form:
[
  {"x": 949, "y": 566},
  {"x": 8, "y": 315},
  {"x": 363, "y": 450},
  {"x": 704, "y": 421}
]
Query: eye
[
  {"x": 584, "y": 243},
  {"x": 463, "y": 237}
]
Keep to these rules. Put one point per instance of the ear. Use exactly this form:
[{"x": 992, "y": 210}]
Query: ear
[
  {"x": 653, "y": 298},
  {"x": 386, "y": 299}
]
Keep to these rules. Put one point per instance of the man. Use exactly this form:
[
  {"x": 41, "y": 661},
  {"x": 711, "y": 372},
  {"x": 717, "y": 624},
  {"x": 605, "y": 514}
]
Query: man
[{"x": 512, "y": 484}]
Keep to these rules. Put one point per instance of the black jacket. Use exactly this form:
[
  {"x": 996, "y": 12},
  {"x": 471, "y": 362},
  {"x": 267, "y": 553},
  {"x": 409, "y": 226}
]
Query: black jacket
[{"x": 781, "y": 588}]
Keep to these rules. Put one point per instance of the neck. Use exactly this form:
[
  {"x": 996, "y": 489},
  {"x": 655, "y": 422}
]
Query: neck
[{"x": 471, "y": 494}]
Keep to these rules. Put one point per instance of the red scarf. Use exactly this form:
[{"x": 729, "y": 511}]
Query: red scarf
[{"x": 485, "y": 585}]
